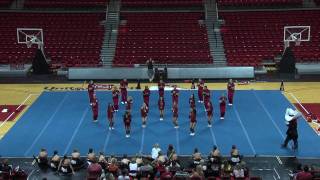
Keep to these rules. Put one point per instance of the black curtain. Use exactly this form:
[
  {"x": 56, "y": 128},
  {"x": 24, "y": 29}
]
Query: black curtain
[
  {"x": 288, "y": 61},
  {"x": 39, "y": 63}
]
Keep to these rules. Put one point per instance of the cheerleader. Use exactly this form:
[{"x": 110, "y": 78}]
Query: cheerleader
[
  {"x": 175, "y": 115},
  {"x": 129, "y": 104},
  {"x": 110, "y": 112},
  {"x": 161, "y": 86},
  {"x": 161, "y": 105},
  {"x": 193, "y": 120},
  {"x": 95, "y": 108},
  {"x": 115, "y": 98},
  {"x": 144, "y": 114},
  {"x": 222, "y": 103},
  {"x": 127, "y": 122},
  {"x": 200, "y": 90},
  {"x": 192, "y": 102},
  {"x": 209, "y": 113}
]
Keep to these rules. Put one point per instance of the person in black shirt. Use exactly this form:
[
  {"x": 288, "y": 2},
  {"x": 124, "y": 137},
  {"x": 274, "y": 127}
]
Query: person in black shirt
[{"x": 150, "y": 63}]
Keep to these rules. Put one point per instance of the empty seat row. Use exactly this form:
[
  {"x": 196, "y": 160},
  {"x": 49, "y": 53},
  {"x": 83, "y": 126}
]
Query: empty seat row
[
  {"x": 83, "y": 40},
  {"x": 258, "y": 2},
  {"x": 179, "y": 40},
  {"x": 64, "y": 3},
  {"x": 162, "y": 3},
  {"x": 253, "y": 36}
]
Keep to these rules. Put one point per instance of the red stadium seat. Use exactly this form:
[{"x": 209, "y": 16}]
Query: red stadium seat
[
  {"x": 168, "y": 38},
  {"x": 251, "y": 37},
  {"x": 67, "y": 37}
]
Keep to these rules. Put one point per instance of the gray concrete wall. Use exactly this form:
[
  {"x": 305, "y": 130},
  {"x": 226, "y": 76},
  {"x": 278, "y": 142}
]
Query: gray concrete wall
[{"x": 173, "y": 73}]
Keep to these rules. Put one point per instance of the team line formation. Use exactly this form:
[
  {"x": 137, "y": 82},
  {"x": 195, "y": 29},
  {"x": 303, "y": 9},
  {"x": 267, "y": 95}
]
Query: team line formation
[{"x": 204, "y": 96}]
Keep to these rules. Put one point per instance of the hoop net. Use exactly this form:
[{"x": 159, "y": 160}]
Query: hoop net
[{"x": 29, "y": 44}]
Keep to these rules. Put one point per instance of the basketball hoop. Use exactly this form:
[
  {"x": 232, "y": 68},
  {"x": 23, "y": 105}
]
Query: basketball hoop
[{"x": 297, "y": 42}]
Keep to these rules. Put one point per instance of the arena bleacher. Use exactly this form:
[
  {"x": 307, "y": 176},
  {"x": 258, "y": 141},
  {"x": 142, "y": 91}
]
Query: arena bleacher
[
  {"x": 71, "y": 39},
  {"x": 164, "y": 3},
  {"x": 168, "y": 38},
  {"x": 5, "y": 3},
  {"x": 224, "y": 3},
  {"x": 251, "y": 37},
  {"x": 65, "y": 4}
]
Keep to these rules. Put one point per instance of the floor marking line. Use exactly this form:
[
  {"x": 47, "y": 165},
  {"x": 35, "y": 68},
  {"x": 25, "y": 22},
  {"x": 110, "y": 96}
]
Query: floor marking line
[
  {"x": 214, "y": 140},
  {"x": 244, "y": 130},
  {"x": 106, "y": 142},
  {"x": 274, "y": 177},
  {"x": 279, "y": 160},
  {"x": 46, "y": 125},
  {"x": 274, "y": 169},
  {"x": 23, "y": 102},
  {"x": 76, "y": 130},
  {"x": 269, "y": 115},
  {"x": 178, "y": 141},
  {"x": 142, "y": 141}
]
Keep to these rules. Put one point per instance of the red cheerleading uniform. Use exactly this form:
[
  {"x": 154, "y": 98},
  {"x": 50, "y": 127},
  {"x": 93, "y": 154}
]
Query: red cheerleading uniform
[
  {"x": 95, "y": 109},
  {"x": 91, "y": 88},
  {"x": 209, "y": 109},
  {"x": 206, "y": 96},
  {"x": 144, "y": 111},
  {"x": 231, "y": 89},
  {"x": 175, "y": 111},
  {"x": 175, "y": 95},
  {"x": 200, "y": 90},
  {"x": 123, "y": 89},
  {"x": 192, "y": 102},
  {"x": 222, "y": 102},
  {"x": 161, "y": 89},
  {"x": 161, "y": 104},
  {"x": 127, "y": 121},
  {"x": 193, "y": 116},
  {"x": 110, "y": 112},
  {"x": 129, "y": 105},
  {"x": 146, "y": 95},
  {"x": 115, "y": 98}
]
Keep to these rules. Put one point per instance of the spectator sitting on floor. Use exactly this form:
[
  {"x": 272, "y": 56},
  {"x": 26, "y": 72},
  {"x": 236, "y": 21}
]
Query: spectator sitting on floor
[
  {"x": 155, "y": 151},
  {"x": 125, "y": 162},
  {"x": 91, "y": 156},
  {"x": 42, "y": 159},
  {"x": 133, "y": 168},
  {"x": 5, "y": 169},
  {"x": 196, "y": 156},
  {"x": 76, "y": 161},
  {"x": 55, "y": 160},
  {"x": 226, "y": 168},
  {"x": 102, "y": 160},
  {"x": 65, "y": 167},
  {"x": 94, "y": 170},
  {"x": 174, "y": 163},
  {"x": 214, "y": 163},
  {"x": 113, "y": 167},
  {"x": 305, "y": 174},
  {"x": 124, "y": 175},
  {"x": 235, "y": 155},
  {"x": 238, "y": 172},
  {"x": 170, "y": 151},
  {"x": 215, "y": 156}
]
